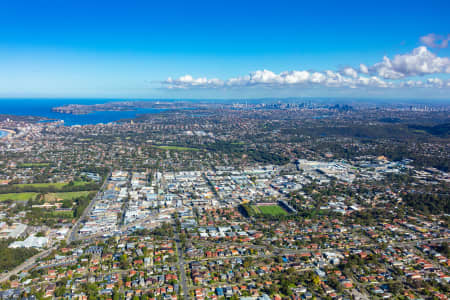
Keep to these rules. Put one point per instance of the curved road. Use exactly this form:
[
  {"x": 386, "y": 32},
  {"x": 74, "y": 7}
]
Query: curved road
[{"x": 26, "y": 264}]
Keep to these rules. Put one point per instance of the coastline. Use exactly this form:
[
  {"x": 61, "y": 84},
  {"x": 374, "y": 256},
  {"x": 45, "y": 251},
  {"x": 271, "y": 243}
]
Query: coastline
[
  {"x": 7, "y": 133},
  {"x": 37, "y": 110}
]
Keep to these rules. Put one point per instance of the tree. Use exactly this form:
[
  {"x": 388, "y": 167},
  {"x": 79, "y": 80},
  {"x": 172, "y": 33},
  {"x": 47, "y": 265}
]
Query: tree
[
  {"x": 316, "y": 280},
  {"x": 124, "y": 261},
  {"x": 67, "y": 203},
  {"x": 116, "y": 295},
  {"x": 60, "y": 291}
]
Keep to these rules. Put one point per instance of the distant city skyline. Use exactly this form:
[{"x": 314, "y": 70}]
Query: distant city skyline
[{"x": 232, "y": 49}]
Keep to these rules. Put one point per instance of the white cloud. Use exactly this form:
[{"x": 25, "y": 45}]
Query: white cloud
[
  {"x": 429, "y": 83},
  {"x": 350, "y": 72},
  {"x": 317, "y": 77},
  {"x": 373, "y": 81},
  {"x": 303, "y": 79},
  {"x": 288, "y": 78},
  {"x": 296, "y": 77},
  {"x": 412, "y": 83},
  {"x": 435, "y": 82},
  {"x": 363, "y": 68},
  {"x": 435, "y": 40},
  {"x": 188, "y": 81},
  {"x": 269, "y": 77},
  {"x": 385, "y": 74},
  {"x": 417, "y": 63},
  {"x": 265, "y": 76},
  {"x": 337, "y": 80}
]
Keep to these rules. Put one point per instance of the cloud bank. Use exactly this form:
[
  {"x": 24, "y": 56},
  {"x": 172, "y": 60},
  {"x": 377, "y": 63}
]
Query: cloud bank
[
  {"x": 389, "y": 73},
  {"x": 417, "y": 63}
]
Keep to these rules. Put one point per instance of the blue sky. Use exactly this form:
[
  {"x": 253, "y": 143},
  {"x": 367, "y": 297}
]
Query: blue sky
[{"x": 223, "y": 49}]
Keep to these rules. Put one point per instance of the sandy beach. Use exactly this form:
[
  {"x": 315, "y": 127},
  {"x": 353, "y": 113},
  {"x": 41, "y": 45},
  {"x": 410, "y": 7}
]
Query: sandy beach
[{"x": 7, "y": 132}]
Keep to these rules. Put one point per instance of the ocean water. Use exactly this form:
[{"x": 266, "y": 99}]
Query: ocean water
[{"x": 42, "y": 108}]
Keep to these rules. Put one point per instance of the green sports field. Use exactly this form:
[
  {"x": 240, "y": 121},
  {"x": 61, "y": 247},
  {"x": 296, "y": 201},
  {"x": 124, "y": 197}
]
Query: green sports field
[
  {"x": 17, "y": 196},
  {"x": 48, "y": 197},
  {"x": 273, "y": 210}
]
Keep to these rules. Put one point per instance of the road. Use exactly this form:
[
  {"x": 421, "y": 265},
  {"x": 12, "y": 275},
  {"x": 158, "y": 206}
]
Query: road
[
  {"x": 123, "y": 229},
  {"x": 106, "y": 234},
  {"x": 287, "y": 251},
  {"x": 26, "y": 264},
  {"x": 72, "y": 235},
  {"x": 181, "y": 266}
]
